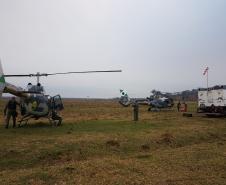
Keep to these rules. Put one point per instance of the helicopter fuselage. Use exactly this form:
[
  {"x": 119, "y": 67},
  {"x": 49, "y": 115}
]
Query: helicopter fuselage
[
  {"x": 153, "y": 102},
  {"x": 34, "y": 102}
]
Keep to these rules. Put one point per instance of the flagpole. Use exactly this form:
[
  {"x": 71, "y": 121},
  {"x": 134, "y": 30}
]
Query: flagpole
[
  {"x": 207, "y": 79},
  {"x": 206, "y": 73}
]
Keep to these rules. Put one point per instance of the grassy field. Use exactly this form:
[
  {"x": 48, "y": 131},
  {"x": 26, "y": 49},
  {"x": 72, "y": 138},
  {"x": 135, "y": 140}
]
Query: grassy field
[{"x": 99, "y": 144}]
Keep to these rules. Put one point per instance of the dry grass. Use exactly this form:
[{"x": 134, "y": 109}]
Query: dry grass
[{"x": 99, "y": 144}]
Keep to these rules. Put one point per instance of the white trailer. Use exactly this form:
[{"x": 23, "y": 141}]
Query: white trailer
[{"x": 212, "y": 100}]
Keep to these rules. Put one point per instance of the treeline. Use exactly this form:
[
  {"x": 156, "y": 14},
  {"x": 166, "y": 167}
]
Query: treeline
[{"x": 188, "y": 95}]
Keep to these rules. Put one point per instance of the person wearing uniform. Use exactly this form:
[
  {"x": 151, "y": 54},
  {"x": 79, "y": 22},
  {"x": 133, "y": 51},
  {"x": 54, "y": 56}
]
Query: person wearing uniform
[
  {"x": 178, "y": 106},
  {"x": 10, "y": 111},
  {"x": 56, "y": 118}
]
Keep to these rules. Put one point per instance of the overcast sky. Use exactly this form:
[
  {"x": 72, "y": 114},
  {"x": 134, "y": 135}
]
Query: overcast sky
[{"x": 159, "y": 44}]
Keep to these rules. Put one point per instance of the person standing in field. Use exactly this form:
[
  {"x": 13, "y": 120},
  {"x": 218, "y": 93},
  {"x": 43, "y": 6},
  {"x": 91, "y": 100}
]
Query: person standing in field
[
  {"x": 56, "y": 118},
  {"x": 178, "y": 106},
  {"x": 10, "y": 111}
]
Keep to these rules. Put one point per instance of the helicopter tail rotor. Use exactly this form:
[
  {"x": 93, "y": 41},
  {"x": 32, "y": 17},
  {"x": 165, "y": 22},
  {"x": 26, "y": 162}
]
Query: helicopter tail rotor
[{"x": 124, "y": 99}]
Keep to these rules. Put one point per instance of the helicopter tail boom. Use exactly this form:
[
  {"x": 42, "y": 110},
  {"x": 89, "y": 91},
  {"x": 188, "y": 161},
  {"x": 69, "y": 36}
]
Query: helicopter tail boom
[
  {"x": 9, "y": 88},
  {"x": 2, "y": 80},
  {"x": 16, "y": 91}
]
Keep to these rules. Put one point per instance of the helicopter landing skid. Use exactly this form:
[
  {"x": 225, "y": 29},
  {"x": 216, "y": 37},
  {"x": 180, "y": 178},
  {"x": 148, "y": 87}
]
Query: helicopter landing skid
[
  {"x": 55, "y": 122},
  {"x": 24, "y": 121},
  {"x": 153, "y": 109}
]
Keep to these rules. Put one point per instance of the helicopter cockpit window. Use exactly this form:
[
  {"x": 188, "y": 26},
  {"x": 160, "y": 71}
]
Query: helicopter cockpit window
[
  {"x": 57, "y": 103},
  {"x": 38, "y": 98}
]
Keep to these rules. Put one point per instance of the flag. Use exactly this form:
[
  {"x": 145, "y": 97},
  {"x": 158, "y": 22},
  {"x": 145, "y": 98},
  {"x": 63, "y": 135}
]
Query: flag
[{"x": 206, "y": 71}]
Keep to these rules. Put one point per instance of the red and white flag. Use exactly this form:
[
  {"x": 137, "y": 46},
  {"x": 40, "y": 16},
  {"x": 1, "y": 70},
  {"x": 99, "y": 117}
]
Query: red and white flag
[{"x": 206, "y": 71}]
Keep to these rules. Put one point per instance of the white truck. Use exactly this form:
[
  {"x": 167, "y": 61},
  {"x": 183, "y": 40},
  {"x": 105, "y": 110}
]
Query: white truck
[{"x": 212, "y": 100}]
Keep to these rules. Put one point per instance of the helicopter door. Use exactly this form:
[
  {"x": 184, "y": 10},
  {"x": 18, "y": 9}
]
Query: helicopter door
[{"x": 57, "y": 103}]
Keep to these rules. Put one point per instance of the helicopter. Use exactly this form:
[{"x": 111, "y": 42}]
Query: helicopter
[
  {"x": 34, "y": 102},
  {"x": 156, "y": 102}
]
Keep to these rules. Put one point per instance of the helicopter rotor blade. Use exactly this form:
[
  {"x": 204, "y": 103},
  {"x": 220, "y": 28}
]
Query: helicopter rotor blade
[
  {"x": 51, "y": 74},
  {"x": 18, "y": 75},
  {"x": 82, "y": 72}
]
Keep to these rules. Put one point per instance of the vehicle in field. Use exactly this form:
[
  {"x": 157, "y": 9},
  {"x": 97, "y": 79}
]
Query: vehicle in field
[
  {"x": 212, "y": 100},
  {"x": 34, "y": 102},
  {"x": 156, "y": 102}
]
